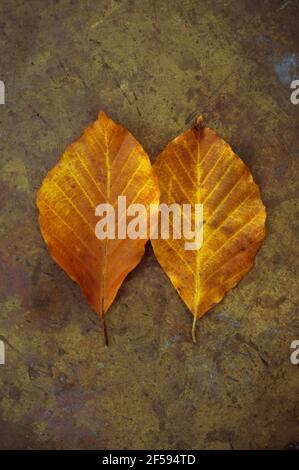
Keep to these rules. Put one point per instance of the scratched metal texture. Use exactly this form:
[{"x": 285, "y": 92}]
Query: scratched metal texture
[{"x": 152, "y": 66}]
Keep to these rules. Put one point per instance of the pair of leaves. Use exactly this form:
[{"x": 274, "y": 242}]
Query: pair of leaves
[{"x": 196, "y": 167}]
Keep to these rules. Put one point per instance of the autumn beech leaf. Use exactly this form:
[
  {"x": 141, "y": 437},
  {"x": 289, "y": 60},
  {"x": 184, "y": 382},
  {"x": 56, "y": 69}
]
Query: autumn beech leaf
[
  {"x": 104, "y": 163},
  {"x": 198, "y": 167}
]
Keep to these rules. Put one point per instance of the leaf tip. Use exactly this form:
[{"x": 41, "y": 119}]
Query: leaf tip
[{"x": 102, "y": 116}]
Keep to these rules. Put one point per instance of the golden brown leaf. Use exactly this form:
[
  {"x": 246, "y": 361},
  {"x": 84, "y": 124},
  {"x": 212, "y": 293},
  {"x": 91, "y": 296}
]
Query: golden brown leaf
[
  {"x": 104, "y": 163},
  {"x": 199, "y": 167}
]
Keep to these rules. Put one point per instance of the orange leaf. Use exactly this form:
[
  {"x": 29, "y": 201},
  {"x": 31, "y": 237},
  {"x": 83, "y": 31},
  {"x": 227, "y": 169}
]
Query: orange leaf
[
  {"x": 105, "y": 162},
  {"x": 198, "y": 167}
]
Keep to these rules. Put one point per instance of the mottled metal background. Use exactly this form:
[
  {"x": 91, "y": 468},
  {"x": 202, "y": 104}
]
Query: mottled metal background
[{"x": 152, "y": 66}]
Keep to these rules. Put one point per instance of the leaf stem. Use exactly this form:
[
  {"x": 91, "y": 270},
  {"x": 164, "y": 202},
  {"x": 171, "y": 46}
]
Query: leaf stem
[
  {"x": 200, "y": 122},
  {"x": 105, "y": 332},
  {"x": 194, "y": 329}
]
